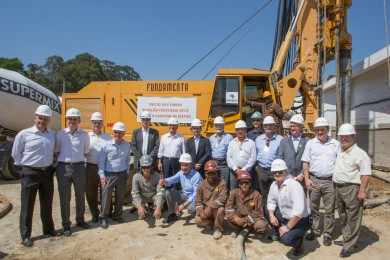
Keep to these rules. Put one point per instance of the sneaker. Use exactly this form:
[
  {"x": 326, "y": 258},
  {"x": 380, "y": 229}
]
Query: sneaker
[
  {"x": 327, "y": 240},
  {"x": 171, "y": 218},
  {"x": 217, "y": 234}
]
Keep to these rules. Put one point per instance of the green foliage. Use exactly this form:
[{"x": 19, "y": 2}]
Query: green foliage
[{"x": 73, "y": 74}]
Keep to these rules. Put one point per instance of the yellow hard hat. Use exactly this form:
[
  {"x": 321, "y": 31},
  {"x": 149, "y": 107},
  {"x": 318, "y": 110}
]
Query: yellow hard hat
[{"x": 266, "y": 93}]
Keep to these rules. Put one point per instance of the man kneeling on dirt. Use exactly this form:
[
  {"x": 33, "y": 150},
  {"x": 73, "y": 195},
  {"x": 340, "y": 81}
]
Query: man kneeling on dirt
[
  {"x": 287, "y": 207},
  {"x": 244, "y": 208},
  {"x": 210, "y": 200},
  {"x": 147, "y": 194},
  {"x": 189, "y": 180}
]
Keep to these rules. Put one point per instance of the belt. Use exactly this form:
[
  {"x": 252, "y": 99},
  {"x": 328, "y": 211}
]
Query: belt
[
  {"x": 93, "y": 164},
  {"x": 41, "y": 169},
  {"x": 345, "y": 184},
  {"x": 219, "y": 160},
  {"x": 170, "y": 158},
  {"x": 72, "y": 163},
  {"x": 114, "y": 173},
  {"x": 322, "y": 178}
]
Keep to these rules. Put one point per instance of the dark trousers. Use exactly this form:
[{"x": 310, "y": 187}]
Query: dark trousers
[
  {"x": 114, "y": 181},
  {"x": 66, "y": 175},
  {"x": 295, "y": 235},
  {"x": 224, "y": 171},
  {"x": 170, "y": 166},
  {"x": 264, "y": 179},
  {"x": 92, "y": 189},
  {"x": 33, "y": 181}
]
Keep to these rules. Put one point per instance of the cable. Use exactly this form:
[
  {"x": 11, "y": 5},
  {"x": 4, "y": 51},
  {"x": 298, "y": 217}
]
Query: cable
[
  {"x": 387, "y": 41},
  {"x": 225, "y": 38}
]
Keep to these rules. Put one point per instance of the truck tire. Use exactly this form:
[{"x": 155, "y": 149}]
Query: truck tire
[{"x": 9, "y": 171}]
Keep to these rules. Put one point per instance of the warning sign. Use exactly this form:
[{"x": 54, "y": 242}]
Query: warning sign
[{"x": 163, "y": 108}]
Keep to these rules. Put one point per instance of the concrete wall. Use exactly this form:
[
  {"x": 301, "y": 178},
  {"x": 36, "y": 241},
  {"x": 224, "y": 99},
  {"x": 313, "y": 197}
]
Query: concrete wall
[{"x": 370, "y": 102}]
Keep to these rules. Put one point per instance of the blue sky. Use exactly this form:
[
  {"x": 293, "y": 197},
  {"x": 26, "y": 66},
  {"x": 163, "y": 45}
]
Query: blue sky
[{"x": 160, "y": 39}]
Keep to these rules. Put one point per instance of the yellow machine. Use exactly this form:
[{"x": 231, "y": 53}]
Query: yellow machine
[{"x": 319, "y": 33}]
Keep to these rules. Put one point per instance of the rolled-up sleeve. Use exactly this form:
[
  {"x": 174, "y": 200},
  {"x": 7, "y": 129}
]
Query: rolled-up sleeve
[
  {"x": 306, "y": 152},
  {"x": 173, "y": 179},
  {"x": 365, "y": 165}
]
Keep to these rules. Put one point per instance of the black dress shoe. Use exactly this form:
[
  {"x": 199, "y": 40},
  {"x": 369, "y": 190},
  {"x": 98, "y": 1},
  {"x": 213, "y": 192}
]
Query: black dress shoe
[
  {"x": 171, "y": 218},
  {"x": 67, "y": 232},
  {"x": 327, "y": 240},
  {"x": 103, "y": 223},
  {"x": 83, "y": 225},
  {"x": 51, "y": 233},
  {"x": 345, "y": 253},
  {"x": 27, "y": 242},
  {"x": 95, "y": 219}
]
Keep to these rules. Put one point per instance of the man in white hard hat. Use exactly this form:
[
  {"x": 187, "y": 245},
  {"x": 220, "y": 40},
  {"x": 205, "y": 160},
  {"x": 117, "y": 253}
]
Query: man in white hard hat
[
  {"x": 267, "y": 146},
  {"x": 257, "y": 130},
  {"x": 147, "y": 193},
  {"x": 219, "y": 146},
  {"x": 97, "y": 140},
  {"x": 241, "y": 154},
  {"x": 319, "y": 160},
  {"x": 189, "y": 180},
  {"x": 114, "y": 162},
  {"x": 33, "y": 150},
  {"x": 292, "y": 146},
  {"x": 172, "y": 145},
  {"x": 198, "y": 147},
  {"x": 72, "y": 147},
  {"x": 145, "y": 140},
  {"x": 287, "y": 208},
  {"x": 352, "y": 171}
]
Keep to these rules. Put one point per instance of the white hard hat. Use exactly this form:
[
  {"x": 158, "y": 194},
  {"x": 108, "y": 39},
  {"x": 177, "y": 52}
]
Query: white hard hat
[
  {"x": 321, "y": 122},
  {"x": 43, "y": 110},
  {"x": 278, "y": 165},
  {"x": 240, "y": 124},
  {"x": 145, "y": 115},
  {"x": 297, "y": 119},
  {"x": 196, "y": 123},
  {"x": 96, "y": 116},
  {"x": 346, "y": 129},
  {"x": 73, "y": 112},
  {"x": 269, "y": 120},
  {"x": 119, "y": 126},
  {"x": 185, "y": 158},
  {"x": 173, "y": 121},
  {"x": 219, "y": 120}
]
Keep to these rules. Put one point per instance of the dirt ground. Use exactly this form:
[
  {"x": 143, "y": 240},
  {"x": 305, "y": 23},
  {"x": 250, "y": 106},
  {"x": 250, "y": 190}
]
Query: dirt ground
[{"x": 136, "y": 239}]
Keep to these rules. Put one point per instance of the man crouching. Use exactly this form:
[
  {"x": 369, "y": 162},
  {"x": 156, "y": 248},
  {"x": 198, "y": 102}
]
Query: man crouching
[
  {"x": 244, "y": 208},
  {"x": 210, "y": 200}
]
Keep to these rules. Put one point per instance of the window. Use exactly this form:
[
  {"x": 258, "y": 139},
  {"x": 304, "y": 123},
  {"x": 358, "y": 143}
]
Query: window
[{"x": 226, "y": 96}]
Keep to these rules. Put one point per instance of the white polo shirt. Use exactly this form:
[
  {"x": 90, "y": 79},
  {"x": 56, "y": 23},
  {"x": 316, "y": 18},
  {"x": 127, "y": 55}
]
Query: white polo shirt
[
  {"x": 321, "y": 156},
  {"x": 351, "y": 165}
]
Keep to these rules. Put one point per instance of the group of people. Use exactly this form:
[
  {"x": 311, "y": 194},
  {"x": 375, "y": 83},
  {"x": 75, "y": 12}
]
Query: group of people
[{"x": 257, "y": 181}]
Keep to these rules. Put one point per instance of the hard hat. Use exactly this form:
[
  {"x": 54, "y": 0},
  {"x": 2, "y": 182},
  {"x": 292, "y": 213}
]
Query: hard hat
[
  {"x": 240, "y": 124},
  {"x": 321, "y": 122},
  {"x": 185, "y": 158},
  {"x": 96, "y": 116},
  {"x": 243, "y": 175},
  {"x": 43, "y": 110},
  {"x": 211, "y": 166},
  {"x": 146, "y": 160},
  {"x": 219, "y": 120},
  {"x": 196, "y": 123},
  {"x": 346, "y": 129},
  {"x": 278, "y": 165},
  {"x": 266, "y": 93},
  {"x": 145, "y": 115},
  {"x": 297, "y": 119},
  {"x": 119, "y": 126},
  {"x": 256, "y": 115},
  {"x": 269, "y": 120},
  {"x": 173, "y": 121},
  {"x": 73, "y": 112}
]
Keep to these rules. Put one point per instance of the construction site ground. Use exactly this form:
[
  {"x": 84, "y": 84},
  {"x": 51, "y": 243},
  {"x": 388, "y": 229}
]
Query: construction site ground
[{"x": 136, "y": 239}]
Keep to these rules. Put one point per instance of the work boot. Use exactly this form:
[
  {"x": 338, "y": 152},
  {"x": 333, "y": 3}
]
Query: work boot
[
  {"x": 83, "y": 225},
  {"x": 327, "y": 240},
  {"x": 27, "y": 242},
  {"x": 298, "y": 249},
  {"x": 310, "y": 235},
  {"x": 103, "y": 223},
  {"x": 217, "y": 234},
  {"x": 171, "y": 218}
]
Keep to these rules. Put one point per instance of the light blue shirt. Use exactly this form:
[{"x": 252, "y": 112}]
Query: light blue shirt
[
  {"x": 34, "y": 148},
  {"x": 219, "y": 145},
  {"x": 96, "y": 143},
  {"x": 189, "y": 183},
  {"x": 72, "y": 147},
  {"x": 114, "y": 157},
  {"x": 266, "y": 154}
]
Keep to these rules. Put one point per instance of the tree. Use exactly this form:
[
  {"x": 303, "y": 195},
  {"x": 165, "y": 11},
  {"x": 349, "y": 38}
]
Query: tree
[{"x": 11, "y": 64}]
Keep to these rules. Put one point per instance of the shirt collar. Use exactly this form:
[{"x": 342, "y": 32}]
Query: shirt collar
[
  {"x": 67, "y": 130},
  {"x": 113, "y": 141},
  {"x": 145, "y": 130},
  {"x": 35, "y": 130},
  {"x": 329, "y": 141},
  {"x": 264, "y": 137},
  {"x": 296, "y": 138},
  {"x": 350, "y": 148}
]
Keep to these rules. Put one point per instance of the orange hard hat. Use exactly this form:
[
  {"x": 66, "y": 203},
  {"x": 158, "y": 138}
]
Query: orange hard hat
[
  {"x": 211, "y": 166},
  {"x": 244, "y": 175},
  {"x": 266, "y": 93}
]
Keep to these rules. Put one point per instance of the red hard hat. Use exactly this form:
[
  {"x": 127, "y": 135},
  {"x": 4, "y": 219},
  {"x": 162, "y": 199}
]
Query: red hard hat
[
  {"x": 211, "y": 166},
  {"x": 243, "y": 175}
]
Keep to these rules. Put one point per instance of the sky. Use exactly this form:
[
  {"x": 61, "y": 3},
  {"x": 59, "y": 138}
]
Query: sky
[{"x": 160, "y": 39}]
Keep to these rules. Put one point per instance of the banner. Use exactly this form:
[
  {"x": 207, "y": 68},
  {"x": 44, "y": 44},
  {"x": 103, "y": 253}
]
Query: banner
[{"x": 163, "y": 108}]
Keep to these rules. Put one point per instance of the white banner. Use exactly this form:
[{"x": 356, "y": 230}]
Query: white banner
[{"x": 162, "y": 108}]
